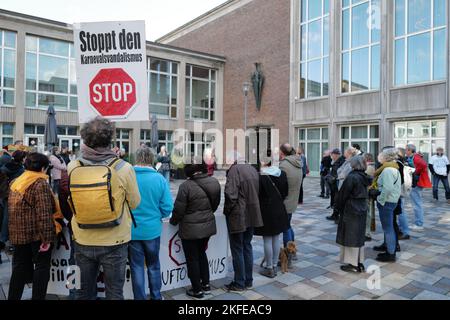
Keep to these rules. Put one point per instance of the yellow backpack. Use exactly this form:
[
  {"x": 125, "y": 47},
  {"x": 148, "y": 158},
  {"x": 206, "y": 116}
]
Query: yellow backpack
[{"x": 95, "y": 192}]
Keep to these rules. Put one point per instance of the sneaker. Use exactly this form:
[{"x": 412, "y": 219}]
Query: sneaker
[
  {"x": 321, "y": 196},
  {"x": 267, "y": 272},
  {"x": 206, "y": 288},
  {"x": 386, "y": 257},
  {"x": 361, "y": 267},
  {"x": 383, "y": 248},
  {"x": 326, "y": 197},
  {"x": 350, "y": 268},
  {"x": 331, "y": 218},
  {"x": 416, "y": 228},
  {"x": 233, "y": 287},
  {"x": 368, "y": 239},
  {"x": 249, "y": 287},
  {"x": 196, "y": 295}
]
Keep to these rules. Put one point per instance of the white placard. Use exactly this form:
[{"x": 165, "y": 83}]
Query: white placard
[
  {"x": 173, "y": 263},
  {"x": 111, "y": 70}
]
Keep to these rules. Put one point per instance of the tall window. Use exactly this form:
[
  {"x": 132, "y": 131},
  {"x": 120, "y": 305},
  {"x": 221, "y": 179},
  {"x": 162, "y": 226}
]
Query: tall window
[
  {"x": 50, "y": 74},
  {"x": 7, "y": 67},
  {"x": 123, "y": 139},
  {"x": 426, "y": 135},
  {"x": 367, "y": 136},
  {"x": 360, "y": 45},
  {"x": 200, "y": 93},
  {"x": 420, "y": 40},
  {"x": 163, "y": 80},
  {"x": 6, "y": 134},
  {"x": 313, "y": 141},
  {"x": 165, "y": 138},
  {"x": 314, "y": 56}
]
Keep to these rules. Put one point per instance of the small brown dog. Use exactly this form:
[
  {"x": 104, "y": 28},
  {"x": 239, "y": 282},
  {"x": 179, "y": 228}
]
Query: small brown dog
[{"x": 290, "y": 249}]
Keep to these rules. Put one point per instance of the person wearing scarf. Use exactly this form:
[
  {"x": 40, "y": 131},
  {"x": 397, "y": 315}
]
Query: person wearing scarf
[{"x": 32, "y": 228}]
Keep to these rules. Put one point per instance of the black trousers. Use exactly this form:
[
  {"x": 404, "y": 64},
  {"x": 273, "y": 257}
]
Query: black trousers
[
  {"x": 334, "y": 190},
  {"x": 197, "y": 262},
  {"x": 30, "y": 265},
  {"x": 300, "y": 196},
  {"x": 324, "y": 187}
]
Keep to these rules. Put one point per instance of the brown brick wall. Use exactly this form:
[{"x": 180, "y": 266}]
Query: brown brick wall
[{"x": 256, "y": 32}]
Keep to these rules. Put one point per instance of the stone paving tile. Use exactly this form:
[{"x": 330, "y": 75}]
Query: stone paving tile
[
  {"x": 392, "y": 296},
  {"x": 252, "y": 295},
  {"x": 362, "y": 285},
  {"x": 395, "y": 280},
  {"x": 303, "y": 291},
  {"x": 421, "y": 276},
  {"x": 273, "y": 292},
  {"x": 311, "y": 272},
  {"x": 358, "y": 297},
  {"x": 428, "y": 295},
  {"x": 327, "y": 296},
  {"x": 322, "y": 280},
  {"x": 443, "y": 272},
  {"x": 428, "y": 287},
  {"x": 230, "y": 296},
  {"x": 289, "y": 278},
  {"x": 339, "y": 290},
  {"x": 444, "y": 283}
]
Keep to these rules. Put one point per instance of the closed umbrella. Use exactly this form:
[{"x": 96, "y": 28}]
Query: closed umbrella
[
  {"x": 51, "y": 131},
  {"x": 155, "y": 135}
]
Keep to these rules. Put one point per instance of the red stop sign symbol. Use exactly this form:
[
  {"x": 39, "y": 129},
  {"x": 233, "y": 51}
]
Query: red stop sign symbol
[{"x": 112, "y": 92}]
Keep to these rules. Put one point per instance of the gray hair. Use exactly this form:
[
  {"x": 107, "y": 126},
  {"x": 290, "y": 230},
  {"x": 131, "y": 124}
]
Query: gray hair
[
  {"x": 411, "y": 147},
  {"x": 145, "y": 156},
  {"x": 352, "y": 151},
  {"x": 358, "y": 163},
  {"x": 388, "y": 155}
]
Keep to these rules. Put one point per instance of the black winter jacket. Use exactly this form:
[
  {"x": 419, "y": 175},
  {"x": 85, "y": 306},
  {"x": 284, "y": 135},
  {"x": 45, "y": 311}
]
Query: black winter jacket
[
  {"x": 271, "y": 201},
  {"x": 193, "y": 210},
  {"x": 352, "y": 203}
]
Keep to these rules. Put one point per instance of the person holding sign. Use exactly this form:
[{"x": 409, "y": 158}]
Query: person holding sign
[
  {"x": 197, "y": 200},
  {"x": 155, "y": 205}
]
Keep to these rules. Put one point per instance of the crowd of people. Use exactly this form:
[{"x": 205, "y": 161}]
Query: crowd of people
[
  {"x": 114, "y": 211},
  {"x": 357, "y": 185}
]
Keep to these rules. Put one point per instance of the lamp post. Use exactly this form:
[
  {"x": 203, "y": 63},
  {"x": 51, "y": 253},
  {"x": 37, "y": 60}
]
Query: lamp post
[{"x": 246, "y": 90}]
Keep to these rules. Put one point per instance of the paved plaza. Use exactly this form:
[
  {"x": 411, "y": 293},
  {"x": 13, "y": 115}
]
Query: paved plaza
[{"x": 422, "y": 271}]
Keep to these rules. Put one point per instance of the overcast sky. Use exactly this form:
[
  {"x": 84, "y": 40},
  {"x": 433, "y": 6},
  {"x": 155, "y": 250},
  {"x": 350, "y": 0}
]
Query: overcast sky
[{"x": 161, "y": 16}]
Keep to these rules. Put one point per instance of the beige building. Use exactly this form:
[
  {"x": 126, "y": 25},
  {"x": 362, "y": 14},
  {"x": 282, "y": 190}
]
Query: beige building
[{"x": 37, "y": 69}]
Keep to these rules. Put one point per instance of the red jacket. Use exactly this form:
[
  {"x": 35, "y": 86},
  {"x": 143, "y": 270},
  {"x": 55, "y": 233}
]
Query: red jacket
[{"x": 422, "y": 172}]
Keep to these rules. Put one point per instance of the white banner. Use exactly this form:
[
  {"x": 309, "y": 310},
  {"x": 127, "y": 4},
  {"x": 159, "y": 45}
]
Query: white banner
[
  {"x": 173, "y": 263},
  {"x": 111, "y": 70}
]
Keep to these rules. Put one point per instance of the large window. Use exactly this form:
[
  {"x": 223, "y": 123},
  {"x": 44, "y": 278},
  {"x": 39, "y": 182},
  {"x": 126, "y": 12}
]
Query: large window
[
  {"x": 6, "y": 134},
  {"x": 314, "y": 53},
  {"x": 163, "y": 80},
  {"x": 7, "y": 67},
  {"x": 360, "y": 45},
  {"x": 420, "y": 41},
  {"x": 123, "y": 139},
  {"x": 200, "y": 93},
  {"x": 314, "y": 141},
  {"x": 426, "y": 135},
  {"x": 50, "y": 74},
  {"x": 165, "y": 138},
  {"x": 367, "y": 136}
]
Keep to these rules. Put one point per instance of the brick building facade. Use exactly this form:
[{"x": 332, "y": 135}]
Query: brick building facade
[{"x": 247, "y": 32}]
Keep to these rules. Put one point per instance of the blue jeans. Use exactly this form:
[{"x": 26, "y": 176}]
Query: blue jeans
[
  {"x": 145, "y": 253},
  {"x": 288, "y": 235},
  {"x": 416, "y": 198},
  {"x": 436, "y": 180},
  {"x": 113, "y": 260},
  {"x": 403, "y": 220},
  {"x": 166, "y": 174},
  {"x": 386, "y": 213},
  {"x": 242, "y": 253}
]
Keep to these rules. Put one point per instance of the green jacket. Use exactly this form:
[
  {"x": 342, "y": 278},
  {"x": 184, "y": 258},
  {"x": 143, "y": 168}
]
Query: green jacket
[{"x": 390, "y": 186}]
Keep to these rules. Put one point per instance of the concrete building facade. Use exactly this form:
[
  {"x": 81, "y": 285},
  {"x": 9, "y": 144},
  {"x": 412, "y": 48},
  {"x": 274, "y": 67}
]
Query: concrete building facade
[
  {"x": 38, "y": 69},
  {"x": 370, "y": 72}
]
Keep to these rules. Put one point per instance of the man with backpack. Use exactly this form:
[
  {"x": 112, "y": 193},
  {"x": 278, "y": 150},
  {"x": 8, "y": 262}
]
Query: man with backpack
[{"x": 103, "y": 191}]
